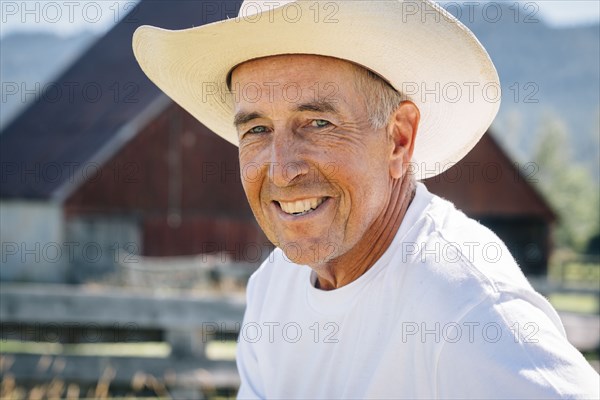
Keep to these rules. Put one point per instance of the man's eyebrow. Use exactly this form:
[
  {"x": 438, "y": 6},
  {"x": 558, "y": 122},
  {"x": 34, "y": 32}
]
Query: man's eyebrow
[
  {"x": 244, "y": 117},
  {"x": 318, "y": 106}
]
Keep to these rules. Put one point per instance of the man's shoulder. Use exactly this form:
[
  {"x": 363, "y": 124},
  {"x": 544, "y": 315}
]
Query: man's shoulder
[
  {"x": 453, "y": 262},
  {"x": 457, "y": 244}
]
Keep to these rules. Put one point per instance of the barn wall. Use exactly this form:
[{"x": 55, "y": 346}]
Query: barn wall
[
  {"x": 104, "y": 242},
  {"x": 204, "y": 234},
  {"x": 33, "y": 246},
  {"x": 180, "y": 182},
  {"x": 526, "y": 239}
]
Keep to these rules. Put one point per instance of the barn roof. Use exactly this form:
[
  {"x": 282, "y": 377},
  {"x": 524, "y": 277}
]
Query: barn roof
[
  {"x": 487, "y": 183},
  {"x": 93, "y": 108}
]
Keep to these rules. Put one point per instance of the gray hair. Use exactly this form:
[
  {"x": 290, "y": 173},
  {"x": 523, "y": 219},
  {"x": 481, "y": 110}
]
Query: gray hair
[{"x": 381, "y": 99}]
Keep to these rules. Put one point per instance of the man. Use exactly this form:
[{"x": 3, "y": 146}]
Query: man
[{"x": 359, "y": 300}]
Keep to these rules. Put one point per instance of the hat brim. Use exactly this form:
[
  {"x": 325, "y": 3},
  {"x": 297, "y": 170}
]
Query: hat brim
[{"x": 436, "y": 61}]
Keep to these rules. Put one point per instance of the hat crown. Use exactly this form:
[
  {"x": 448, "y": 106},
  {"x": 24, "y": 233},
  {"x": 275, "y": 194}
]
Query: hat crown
[{"x": 253, "y": 7}]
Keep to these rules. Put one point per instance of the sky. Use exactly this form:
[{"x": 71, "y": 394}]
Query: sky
[
  {"x": 567, "y": 13},
  {"x": 65, "y": 18},
  {"x": 70, "y": 17}
]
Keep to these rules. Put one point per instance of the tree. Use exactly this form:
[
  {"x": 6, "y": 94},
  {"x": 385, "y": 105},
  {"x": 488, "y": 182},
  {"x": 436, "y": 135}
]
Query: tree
[{"x": 567, "y": 184}]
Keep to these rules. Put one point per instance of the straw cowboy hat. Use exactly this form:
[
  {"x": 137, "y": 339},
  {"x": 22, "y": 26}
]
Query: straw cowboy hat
[{"x": 415, "y": 45}]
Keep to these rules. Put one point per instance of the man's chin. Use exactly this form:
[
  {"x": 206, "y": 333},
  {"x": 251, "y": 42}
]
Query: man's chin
[{"x": 311, "y": 254}]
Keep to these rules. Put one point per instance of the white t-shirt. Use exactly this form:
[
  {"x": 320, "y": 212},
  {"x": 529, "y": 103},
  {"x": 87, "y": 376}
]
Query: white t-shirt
[{"x": 444, "y": 313}]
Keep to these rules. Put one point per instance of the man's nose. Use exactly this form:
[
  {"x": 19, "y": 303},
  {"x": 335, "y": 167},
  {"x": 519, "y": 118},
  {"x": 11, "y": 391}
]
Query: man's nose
[{"x": 287, "y": 164}]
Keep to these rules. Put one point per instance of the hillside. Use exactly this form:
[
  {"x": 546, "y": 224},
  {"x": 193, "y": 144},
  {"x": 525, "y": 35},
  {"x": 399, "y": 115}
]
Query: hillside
[{"x": 544, "y": 72}]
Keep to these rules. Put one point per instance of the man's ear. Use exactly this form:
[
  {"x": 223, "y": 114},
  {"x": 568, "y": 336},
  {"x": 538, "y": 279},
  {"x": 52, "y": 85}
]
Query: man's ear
[{"x": 402, "y": 130}]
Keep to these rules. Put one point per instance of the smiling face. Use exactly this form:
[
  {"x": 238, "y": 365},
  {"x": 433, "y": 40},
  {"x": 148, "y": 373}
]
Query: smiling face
[{"x": 316, "y": 173}]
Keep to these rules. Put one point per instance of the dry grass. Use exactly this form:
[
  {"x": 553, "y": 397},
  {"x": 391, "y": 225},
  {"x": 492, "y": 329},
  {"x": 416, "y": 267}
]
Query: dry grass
[{"x": 140, "y": 385}]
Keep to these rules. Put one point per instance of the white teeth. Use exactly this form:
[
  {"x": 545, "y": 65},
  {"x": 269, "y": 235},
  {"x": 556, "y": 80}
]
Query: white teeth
[{"x": 301, "y": 206}]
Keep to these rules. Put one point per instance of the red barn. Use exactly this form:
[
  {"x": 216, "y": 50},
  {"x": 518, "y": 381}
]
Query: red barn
[{"x": 112, "y": 164}]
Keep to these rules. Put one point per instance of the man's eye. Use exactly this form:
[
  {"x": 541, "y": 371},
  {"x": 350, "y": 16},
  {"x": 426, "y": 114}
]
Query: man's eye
[
  {"x": 320, "y": 123},
  {"x": 258, "y": 129}
]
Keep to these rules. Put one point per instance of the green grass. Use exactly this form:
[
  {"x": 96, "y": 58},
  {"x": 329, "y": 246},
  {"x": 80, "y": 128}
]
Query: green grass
[
  {"x": 576, "y": 273},
  {"x": 581, "y": 303},
  {"x": 215, "y": 350},
  {"x": 147, "y": 349},
  {"x": 589, "y": 273},
  {"x": 221, "y": 350}
]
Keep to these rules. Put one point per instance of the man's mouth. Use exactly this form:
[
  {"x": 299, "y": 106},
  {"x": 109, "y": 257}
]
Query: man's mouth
[{"x": 301, "y": 207}]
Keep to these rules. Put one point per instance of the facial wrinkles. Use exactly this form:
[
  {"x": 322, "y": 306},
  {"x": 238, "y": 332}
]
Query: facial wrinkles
[
  {"x": 349, "y": 199},
  {"x": 398, "y": 199},
  {"x": 352, "y": 144},
  {"x": 350, "y": 135},
  {"x": 347, "y": 136}
]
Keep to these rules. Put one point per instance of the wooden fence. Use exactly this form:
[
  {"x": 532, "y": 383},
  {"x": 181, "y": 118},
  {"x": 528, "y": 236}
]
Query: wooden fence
[
  {"x": 78, "y": 314},
  {"x": 71, "y": 314}
]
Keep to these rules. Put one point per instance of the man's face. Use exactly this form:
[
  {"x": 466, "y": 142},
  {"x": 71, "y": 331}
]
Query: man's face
[{"x": 315, "y": 172}]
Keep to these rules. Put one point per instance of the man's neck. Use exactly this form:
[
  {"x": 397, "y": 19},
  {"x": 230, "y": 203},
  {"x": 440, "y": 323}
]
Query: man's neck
[{"x": 378, "y": 238}]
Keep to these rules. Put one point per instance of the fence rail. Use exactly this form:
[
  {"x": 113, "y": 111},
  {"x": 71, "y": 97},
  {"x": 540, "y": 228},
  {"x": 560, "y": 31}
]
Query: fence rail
[{"x": 71, "y": 314}]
